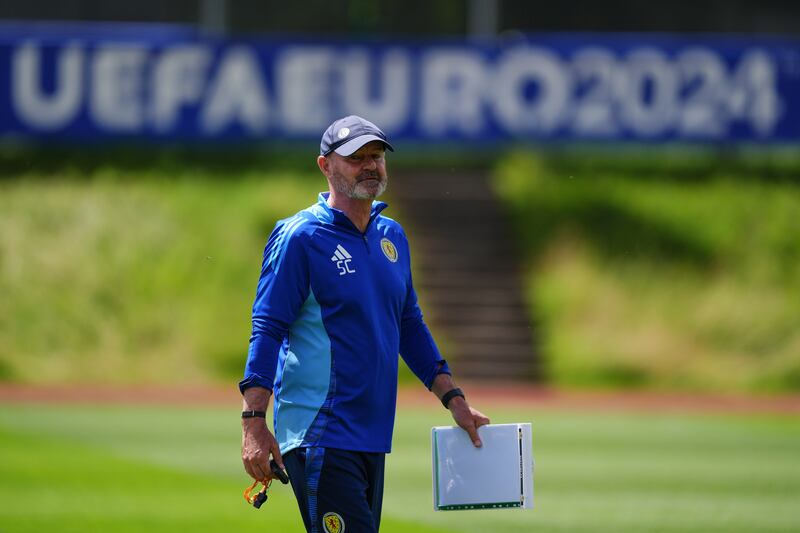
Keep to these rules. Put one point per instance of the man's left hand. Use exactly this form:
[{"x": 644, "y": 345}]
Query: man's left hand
[{"x": 467, "y": 418}]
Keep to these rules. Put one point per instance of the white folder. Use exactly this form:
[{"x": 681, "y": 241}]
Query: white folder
[{"x": 498, "y": 475}]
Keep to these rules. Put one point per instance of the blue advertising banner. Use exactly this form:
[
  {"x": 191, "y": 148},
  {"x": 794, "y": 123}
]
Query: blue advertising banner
[{"x": 92, "y": 82}]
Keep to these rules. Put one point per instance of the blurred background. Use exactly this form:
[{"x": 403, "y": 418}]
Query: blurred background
[{"x": 599, "y": 196}]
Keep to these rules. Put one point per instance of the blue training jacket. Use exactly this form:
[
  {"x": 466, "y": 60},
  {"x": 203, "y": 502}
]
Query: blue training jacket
[{"x": 333, "y": 309}]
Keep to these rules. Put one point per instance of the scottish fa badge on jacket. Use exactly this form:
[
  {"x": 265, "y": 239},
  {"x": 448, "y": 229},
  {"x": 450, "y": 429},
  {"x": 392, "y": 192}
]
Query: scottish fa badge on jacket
[
  {"x": 333, "y": 523},
  {"x": 389, "y": 250}
]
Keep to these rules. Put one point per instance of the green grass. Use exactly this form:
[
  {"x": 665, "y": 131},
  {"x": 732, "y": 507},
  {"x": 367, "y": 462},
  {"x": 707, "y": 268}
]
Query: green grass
[
  {"x": 670, "y": 273},
  {"x": 128, "y": 274},
  {"x": 92, "y": 468}
]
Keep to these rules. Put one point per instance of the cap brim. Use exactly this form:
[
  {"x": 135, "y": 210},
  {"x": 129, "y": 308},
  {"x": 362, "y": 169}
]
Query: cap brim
[{"x": 352, "y": 146}]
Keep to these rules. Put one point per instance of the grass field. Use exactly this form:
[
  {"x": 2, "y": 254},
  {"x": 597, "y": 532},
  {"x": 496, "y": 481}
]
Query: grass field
[{"x": 78, "y": 468}]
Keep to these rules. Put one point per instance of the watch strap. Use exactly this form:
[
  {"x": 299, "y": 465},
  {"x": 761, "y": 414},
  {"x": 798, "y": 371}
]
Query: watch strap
[{"x": 450, "y": 395}]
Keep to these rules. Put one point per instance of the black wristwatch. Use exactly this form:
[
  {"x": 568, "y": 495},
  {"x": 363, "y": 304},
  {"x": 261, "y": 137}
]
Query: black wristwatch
[
  {"x": 254, "y": 414},
  {"x": 450, "y": 395}
]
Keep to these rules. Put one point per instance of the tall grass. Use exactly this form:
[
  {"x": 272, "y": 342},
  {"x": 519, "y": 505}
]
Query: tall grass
[
  {"x": 652, "y": 273},
  {"x": 138, "y": 272}
]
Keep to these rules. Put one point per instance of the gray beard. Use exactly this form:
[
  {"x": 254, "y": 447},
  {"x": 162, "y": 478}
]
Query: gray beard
[{"x": 353, "y": 193}]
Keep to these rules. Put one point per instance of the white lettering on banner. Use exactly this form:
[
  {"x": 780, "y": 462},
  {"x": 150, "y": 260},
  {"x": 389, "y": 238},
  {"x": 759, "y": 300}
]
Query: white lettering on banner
[
  {"x": 392, "y": 108},
  {"x": 515, "y": 71},
  {"x": 445, "y": 91},
  {"x": 453, "y": 92},
  {"x": 237, "y": 94},
  {"x": 304, "y": 80},
  {"x": 755, "y": 95},
  {"x": 692, "y": 96},
  {"x": 648, "y": 115},
  {"x": 117, "y": 74},
  {"x": 179, "y": 77},
  {"x": 703, "y": 113},
  {"x": 593, "y": 114},
  {"x": 47, "y": 112}
]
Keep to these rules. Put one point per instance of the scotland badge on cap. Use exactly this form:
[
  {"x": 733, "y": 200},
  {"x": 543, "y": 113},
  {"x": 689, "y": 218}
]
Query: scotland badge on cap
[{"x": 346, "y": 135}]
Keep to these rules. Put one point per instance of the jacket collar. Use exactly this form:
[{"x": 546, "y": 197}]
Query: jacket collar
[{"x": 337, "y": 216}]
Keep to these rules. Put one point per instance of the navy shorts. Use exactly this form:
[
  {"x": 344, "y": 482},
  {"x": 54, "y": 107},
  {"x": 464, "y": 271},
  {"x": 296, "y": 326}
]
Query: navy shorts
[{"x": 337, "y": 490}]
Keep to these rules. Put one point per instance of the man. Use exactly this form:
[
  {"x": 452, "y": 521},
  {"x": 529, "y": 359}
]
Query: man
[{"x": 334, "y": 306}]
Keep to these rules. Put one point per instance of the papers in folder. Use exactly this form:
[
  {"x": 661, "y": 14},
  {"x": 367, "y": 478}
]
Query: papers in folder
[{"x": 496, "y": 476}]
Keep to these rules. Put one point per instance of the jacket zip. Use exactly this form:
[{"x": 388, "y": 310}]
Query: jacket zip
[{"x": 354, "y": 229}]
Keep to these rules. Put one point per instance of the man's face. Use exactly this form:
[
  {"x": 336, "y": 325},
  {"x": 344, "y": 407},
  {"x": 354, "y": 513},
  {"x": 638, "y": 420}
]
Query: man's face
[{"x": 361, "y": 175}]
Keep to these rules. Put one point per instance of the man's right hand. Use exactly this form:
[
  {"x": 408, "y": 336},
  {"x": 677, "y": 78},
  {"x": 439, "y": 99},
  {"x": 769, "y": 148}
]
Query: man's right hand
[{"x": 258, "y": 443}]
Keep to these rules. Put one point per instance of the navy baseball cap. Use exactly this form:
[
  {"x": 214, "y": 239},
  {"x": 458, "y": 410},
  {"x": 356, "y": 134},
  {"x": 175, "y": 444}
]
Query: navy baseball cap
[{"x": 346, "y": 135}]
